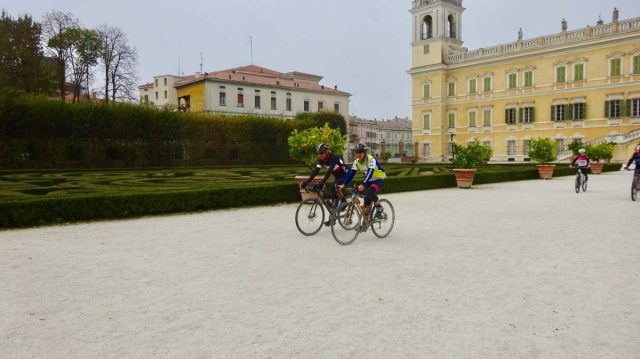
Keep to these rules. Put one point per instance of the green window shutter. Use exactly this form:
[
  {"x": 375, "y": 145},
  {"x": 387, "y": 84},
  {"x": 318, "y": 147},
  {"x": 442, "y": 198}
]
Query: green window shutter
[
  {"x": 506, "y": 115},
  {"x": 528, "y": 79},
  {"x": 625, "y": 107},
  {"x": 533, "y": 114},
  {"x": 579, "y": 72},
  {"x": 584, "y": 111},
  {"x": 606, "y": 109},
  {"x": 568, "y": 112},
  {"x": 472, "y": 86},
  {"x": 553, "y": 113},
  {"x": 636, "y": 65},
  {"x": 615, "y": 67},
  {"x": 520, "y": 114}
]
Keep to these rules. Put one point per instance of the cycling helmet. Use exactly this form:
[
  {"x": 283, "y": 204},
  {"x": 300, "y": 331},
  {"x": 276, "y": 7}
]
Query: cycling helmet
[
  {"x": 323, "y": 147},
  {"x": 361, "y": 147},
  {"x": 637, "y": 150},
  {"x": 582, "y": 150}
]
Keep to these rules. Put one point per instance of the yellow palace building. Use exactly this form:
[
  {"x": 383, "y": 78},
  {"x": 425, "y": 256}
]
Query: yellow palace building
[{"x": 579, "y": 84}]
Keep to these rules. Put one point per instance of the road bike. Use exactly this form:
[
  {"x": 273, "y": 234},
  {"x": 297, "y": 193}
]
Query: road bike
[
  {"x": 349, "y": 220},
  {"x": 635, "y": 184},
  {"x": 581, "y": 180},
  {"x": 310, "y": 215}
]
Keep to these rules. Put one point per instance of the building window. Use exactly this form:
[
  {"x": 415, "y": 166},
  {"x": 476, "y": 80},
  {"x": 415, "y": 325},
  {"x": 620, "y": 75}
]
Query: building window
[
  {"x": 165, "y": 81},
  {"x": 426, "y": 121},
  {"x": 578, "y": 72},
  {"x": 320, "y": 106},
  {"x": 427, "y": 28},
  {"x": 451, "y": 26},
  {"x": 146, "y": 98},
  {"x": 472, "y": 119},
  {"x": 558, "y": 112},
  {"x": 487, "y": 143},
  {"x": 240, "y": 98},
  {"x": 426, "y": 90},
  {"x": 579, "y": 111},
  {"x": 452, "y": 120},
  {"x": 511, "y": 148},
  {"x": 256, "y": 99},
  {"x": 636, "y": 65},
  {"x": 615, "y": 67},
  {"x": 528, "y": 79},
  {"x": 288, "y": 102},
  {"x": 472, "y": 86},
  {"x": 425, "y": 49},
  {"x": 165, "y": 93},
  {"x": 559, "y": 144},
  {"x": 156, "y": 82},
  {"x": 510, "y": 116},
  {"x": 635, "y": 107},
  {"x": 512, "y": 81},
  {"x": 525, "y": 147},
  {"x": 527, "y": 115},
  {"x": 222, "y": 98},
  {"x": 487, "y": 84},
  {"x": 306, "y": 105},
  {"x": 486, "y": 118},
  {"x": 452, "y": 89},
  {"x": 336, "y": 107},
  {"x": 156, "y": 95},
  {"x": 427, "y": 150},
  {"x": 613, "y": 109},
  {"x": 273, "y": 101},
  {"x": 561, "y": 72}
]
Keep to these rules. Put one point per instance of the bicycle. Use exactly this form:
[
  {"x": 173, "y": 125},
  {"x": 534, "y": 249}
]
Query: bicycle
[
  {"x": 581, "y": 181},
  {"x": 635, "y": 184},
  {"x": 310, "y": 212},
  {"x": 349, "y": 221}
]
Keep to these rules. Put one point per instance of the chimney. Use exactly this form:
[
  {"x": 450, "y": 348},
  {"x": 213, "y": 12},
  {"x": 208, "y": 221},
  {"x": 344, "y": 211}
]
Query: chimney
[{"x": 335, "y": 87}]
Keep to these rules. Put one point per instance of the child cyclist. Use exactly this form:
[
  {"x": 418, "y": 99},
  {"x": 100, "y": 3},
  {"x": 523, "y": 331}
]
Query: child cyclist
[
  {"x": 583, "y": 163},
  {"x": 374, "y": 178},
  {"x": 634, "y": 158}
]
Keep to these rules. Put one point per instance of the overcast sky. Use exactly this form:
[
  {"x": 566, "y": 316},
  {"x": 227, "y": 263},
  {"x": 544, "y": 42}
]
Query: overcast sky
[{"x": 362, "y": 46}]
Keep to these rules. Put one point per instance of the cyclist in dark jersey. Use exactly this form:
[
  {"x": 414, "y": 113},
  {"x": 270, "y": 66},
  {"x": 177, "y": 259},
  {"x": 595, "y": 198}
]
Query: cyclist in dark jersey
[
  {"x": 635, "y": 158},
  {"x": 335, "y": 165}
]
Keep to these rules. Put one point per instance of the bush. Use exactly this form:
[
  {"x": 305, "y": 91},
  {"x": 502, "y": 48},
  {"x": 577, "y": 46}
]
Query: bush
[
  {"x": 603, "y": 151},
  {"x": 472, "y": 155},
  {"x": 575, "y": 145},
  {"x": 542, "y": 150},
  {"x": 302, "y": 145}
]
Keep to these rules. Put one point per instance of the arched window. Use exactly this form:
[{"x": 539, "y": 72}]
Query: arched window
[
  {"x": 427, "y": 28},
  {"x": 451, "y": 26}
]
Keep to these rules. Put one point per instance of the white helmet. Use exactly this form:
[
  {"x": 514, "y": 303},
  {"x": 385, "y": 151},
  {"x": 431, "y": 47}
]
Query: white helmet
[{"x": 582, "y": 150}]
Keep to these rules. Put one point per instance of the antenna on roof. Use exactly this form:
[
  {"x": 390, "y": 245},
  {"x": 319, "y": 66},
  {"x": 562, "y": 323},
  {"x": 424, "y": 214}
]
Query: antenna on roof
[
  {"x": 251, "y": 49},
  {"x": 201, "y": 62},
  {"x": 179, "y": 74}
]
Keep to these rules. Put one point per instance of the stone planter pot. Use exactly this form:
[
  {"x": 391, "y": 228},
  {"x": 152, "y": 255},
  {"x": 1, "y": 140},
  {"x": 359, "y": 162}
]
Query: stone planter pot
[
  {"x": 596, "y": 167},
  {"x": 304, "y": 194},
  {"x": 545, "y": 171},
  {"x": 464, "y": 176}
]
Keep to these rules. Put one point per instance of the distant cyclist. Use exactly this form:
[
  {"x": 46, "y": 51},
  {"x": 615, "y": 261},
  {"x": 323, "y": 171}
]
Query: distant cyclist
[
  {"x": 634, "y": 158},
  {"x": 335, "y": 165},
  {"x": 374, "y": 178},
  {"x": 583, "y": 163}
]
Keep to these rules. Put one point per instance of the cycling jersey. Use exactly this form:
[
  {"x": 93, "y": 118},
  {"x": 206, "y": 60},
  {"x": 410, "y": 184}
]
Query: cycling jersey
[
  {"x": 634, "y": 158},
  {"x": 582, "y": 160},
  {"x": 335, "y": 165},
  {"x": 371, "y": 168}
]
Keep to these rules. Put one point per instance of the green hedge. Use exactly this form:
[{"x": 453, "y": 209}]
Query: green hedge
[
  {"x": 60, "y": 210},
  {"x": 41, "y": 133}
]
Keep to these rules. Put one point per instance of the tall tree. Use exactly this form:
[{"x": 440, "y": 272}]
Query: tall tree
[
  {"x": 119, "y": 61},
  {"x": 85, "y": 50},
  {"x": 21, "y": 59},
  {"x": 55, "y": 26}
]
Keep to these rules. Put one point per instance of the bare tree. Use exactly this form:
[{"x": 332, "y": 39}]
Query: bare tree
[
  {"x": 85, "y": 49},
  {"x": 54, "y": 26},
  {"x": 119, "y": 61}
]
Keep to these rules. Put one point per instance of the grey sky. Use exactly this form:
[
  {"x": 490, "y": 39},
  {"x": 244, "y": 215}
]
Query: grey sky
[{"x": 362, "y": 46}]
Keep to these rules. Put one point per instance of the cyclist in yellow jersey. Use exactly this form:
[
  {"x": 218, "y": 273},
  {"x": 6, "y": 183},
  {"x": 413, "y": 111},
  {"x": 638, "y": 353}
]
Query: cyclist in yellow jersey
[{"x": 374, "y": 178}]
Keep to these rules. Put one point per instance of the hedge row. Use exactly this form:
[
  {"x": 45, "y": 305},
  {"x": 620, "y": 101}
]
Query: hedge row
[
  {"x": 47, "y": 211},
  {"x": 40, "y": 133}
]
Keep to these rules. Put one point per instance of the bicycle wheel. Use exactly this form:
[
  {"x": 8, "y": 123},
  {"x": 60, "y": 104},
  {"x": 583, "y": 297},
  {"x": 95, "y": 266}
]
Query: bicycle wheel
[
  {"x": 309, "y": 217},
  {"x": 345, "y": 223},
  {"x": 584, "y": 184},
  {"x": 381, "y": 225},
  {"x": 578, "y": 180},
  {"x": 634, "y": 188}
]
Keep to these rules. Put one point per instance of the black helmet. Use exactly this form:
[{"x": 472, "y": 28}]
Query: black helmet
[
  {"x": 361, "y": 147},
  {"x": 323, "y": 147}
]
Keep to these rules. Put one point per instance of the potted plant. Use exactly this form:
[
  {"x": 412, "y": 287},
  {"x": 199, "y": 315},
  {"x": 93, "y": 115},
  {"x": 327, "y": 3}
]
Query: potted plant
[
  {"x": 543, "y": 150},
  {"x": 466, "y": 159},
  {"x": 303, "y": 144},
  {"x": 601, "y": 152}
]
